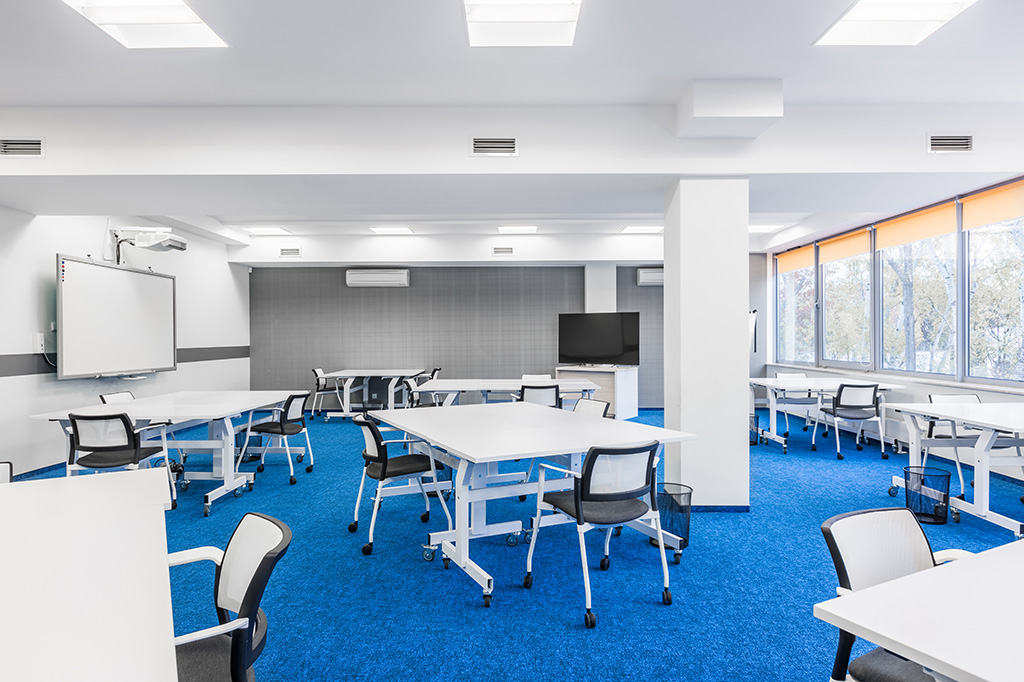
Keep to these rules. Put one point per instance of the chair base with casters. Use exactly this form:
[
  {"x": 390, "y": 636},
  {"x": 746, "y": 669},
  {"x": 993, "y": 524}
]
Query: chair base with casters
[{"x": 591, "y": 508}]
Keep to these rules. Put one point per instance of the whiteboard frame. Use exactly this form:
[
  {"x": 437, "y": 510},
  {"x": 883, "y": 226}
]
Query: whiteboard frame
[{"x": 60, "y": 318}]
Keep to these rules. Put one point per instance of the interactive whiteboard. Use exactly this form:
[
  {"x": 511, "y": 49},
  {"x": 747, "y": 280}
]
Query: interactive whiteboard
[{"x": 113, "y": 320}]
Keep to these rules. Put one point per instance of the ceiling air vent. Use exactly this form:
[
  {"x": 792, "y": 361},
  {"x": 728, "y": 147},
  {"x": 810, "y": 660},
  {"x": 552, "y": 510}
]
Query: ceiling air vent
[
  {"x": 501, "y": 250},
  {"x": 12, "y": 147},
  {"x": 291, "y": 252},
  {"x": 494, "y": 146},
  {"x": 939, "y": 144}
]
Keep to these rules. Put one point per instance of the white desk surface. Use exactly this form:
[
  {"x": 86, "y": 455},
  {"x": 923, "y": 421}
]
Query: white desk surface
[
  {"x": 961, "y": 619},
  {"x": 825, "y": 384},
  {"x": 86, "y": 589},
  {"x": 382, "y": 373},
  {"x": 502, "y": 385},
  {"x": 998, "y": 416},
  {"x": 502, "y": 431},
  {"x": 183, "y": 406}
]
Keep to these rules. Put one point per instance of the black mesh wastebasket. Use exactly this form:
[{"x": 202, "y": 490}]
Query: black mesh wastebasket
[
  {"x": 927, "y": 493},
  {"x": 674, "y": 510}
]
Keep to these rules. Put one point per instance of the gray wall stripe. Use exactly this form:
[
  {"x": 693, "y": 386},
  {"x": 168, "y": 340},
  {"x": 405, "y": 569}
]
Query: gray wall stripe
[{"x": 22, "y": 364}]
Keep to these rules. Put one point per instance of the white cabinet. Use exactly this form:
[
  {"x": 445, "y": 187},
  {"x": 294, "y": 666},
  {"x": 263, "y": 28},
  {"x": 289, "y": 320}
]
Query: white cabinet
[{"x": 618, "y": 385}]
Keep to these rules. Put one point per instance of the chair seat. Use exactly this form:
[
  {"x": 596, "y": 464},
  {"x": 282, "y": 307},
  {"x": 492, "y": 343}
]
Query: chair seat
[
  {"x": 878, "y": 665},
  {"x": 852, "y": 413},
  {"x": 797, "y": 401},
  {"x": 115, "y": 458},
  {"x": 401, "y": 466},
  {"x": 598, "y": 513},
  {"x": 276, "y": 429}
]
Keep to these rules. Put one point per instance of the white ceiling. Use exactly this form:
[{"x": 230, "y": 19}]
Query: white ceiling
[{"x": 415, "y": 52}]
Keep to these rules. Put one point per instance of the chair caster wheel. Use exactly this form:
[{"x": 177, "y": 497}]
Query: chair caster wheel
[
  {"x": 805, "y": 427},
  {"x": 353, "y": 526},
  {"x": 605, "y": 563},
  {"x": 814, "y": 448},
  {"x": 786, "y": 434},
  {"x": 824, "y": 434},
  {"x": 678, "y": 557},
  {"x": 447, "y": 494},
  {"x": 783, "y": 450},
  {"x": 206, "y": 510},
  {"x": 859, "y": 446},
  {"x": 425, "y": 516},
  {"x": 183, "y": 486},
  {"x": 1022, "y": 499},
  {"x": 299, "y": 458},
  {"x": 428, "y": 554},
  {"x": 174, "y": 505},
  {"x": 237, "y": 492},
  {"x": 309, "y": 469},
  {"x": 666, "y": 597},
  {"x": 618, "y": 531},
  {"x": 528, "y": 535},
  {"x": 839, "y": 455},
  {"x": 447, "y": 562},
  {"x": 590, "y": 620},
  {"x": 528, "y": 581},
  {"x": 522, "y": 498},
  {"x": 893, "y": 490},
  {"x": 260, "y": 468},
  {"x": 292, "y": 480},
  {"x": 368, "y": 548},
  {"x": 885, "y": 455},
  {"x": 487, "y": 600},
  {"x": 511, "y": 539}
]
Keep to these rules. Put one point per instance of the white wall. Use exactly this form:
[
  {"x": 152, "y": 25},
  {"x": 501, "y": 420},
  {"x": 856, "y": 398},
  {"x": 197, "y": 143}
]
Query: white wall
[{"x": 212, "y": 311}]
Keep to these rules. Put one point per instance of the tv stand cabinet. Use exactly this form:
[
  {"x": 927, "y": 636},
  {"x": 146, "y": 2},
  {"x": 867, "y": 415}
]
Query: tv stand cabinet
[{"x": 618, "y": 385}]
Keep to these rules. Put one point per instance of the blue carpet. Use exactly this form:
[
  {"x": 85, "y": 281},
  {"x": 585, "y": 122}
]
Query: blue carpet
[{"x": 743, "y": 593}]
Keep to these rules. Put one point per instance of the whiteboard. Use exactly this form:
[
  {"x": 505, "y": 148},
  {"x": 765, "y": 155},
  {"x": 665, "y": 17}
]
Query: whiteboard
[{"x": 113, "y": 320}]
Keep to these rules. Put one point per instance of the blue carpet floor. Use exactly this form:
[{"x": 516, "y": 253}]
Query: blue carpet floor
[{"x": 743, "y": 593}]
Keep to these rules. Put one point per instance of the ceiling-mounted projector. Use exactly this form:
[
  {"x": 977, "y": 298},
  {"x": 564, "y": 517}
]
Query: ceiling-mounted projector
[{"x": 155, "y": 238}]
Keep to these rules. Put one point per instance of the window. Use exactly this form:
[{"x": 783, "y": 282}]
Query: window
[
  {"x": 846, "y": 298},
  {"x": 795, "y": 293},
  {"x": 917, "y": 256},
  {"x": 994, "y": 222}
]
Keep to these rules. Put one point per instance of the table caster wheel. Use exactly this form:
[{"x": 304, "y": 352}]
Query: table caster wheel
[
  {"x": 352, "y": 527},
  {"x": 814, "y": 448},
  {"x": 511, "y": 540},
  {"x": 368, "y": 548},
  {"x": 487, "y": 600},
  {"x": 425, "y": 516},
  {"x": 839, "y": 455},
  {"x": 292, "y": 480},
  {"x": 299, "y": 458},
  {"x": 678, "y": 557},
  {"x": 309, "y": 469},
  {"x": 260, "y": 468},
  {"x": 666, "y": 597},
  {"x": 206, "y": 510},
  {"x": 447, "y": 494},
  {"x": 528, "y": 581},
  {"x": 428, "y": 554},
  {"x": 183, "y": 485},
  {"x": 783, "y": 449},
  {"x": 251, "y": 484},
  {"x": 174, "y": 505},
  {"x": 893, "y": 490},
  {"x": 590, "y": 620},
  {"x": 237, "y": 492},
  {"x": 955, "y": 513},
  {"x": 605, "y": 563},
  {"x": 447, "y": 562}
]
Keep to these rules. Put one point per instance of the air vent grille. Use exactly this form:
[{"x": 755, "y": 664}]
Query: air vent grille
[
  {"x": 291, "y": 252},
  {"x": 501, "y": 250},
  {"x": 12, "y": 147},
  {"x": 494, "y": 146},
  {"x": 938, "y": 144}
]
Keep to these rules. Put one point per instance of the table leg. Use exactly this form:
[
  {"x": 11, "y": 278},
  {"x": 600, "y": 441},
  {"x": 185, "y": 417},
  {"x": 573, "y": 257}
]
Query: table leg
[{"x": 982, "y": 451}]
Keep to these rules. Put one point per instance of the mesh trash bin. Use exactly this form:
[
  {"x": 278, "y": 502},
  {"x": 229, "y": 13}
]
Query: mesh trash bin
[
  {"x": 674, "y": 510},
  {"x": 927, "y": 493},
  {"x": 755, "y": 429}
]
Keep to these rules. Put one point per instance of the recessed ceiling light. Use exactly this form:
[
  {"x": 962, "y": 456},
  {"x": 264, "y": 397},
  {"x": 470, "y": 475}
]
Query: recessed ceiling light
[
  {"x": 517, "y": 229},
  {"x": 266, "y": 230},
  {"x": 765, "y": 229},
  {"x": 389, "y": 229},
  {"x": 892, "y": 22},
  {"x": 642, "y": 229},
  {"x": 148, "y": 23},
  {"x": 522, "y": 23}
]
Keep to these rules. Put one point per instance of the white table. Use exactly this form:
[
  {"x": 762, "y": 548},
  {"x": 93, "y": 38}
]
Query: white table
[
  {"x": 961, "y": 620},
  {"x": 821, "y": 386},
  {"x": 992, "y": 419},
  {"x": 474, "y": 439},
  {"x": 191, "y": 408},
  {"x": 451, "y": 388},
  {"x": 86, "y": 587},
  {"x": 345, "y": 382}
]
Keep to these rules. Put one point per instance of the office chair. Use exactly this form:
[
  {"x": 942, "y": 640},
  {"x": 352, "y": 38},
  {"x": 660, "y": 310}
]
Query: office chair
[
  {"x": 6, "y": 472},
  {"x": 597, "y": 408},
  {"x": 797, "y": 399},
  {"x": 615, "y": 487},
  {"x": 412, "y": 384},
  {"x": 319, "y": 391},
  {"x": 871, "y": 547},
  {"x": 228, "y": 651},
  {"x": 289, "y": 420},
  {"x": 385, "y": 470},
  {"x": 541, "y": 395},
  {"x": 126, "y": 397},
  {"x": 851, "y": 403}
]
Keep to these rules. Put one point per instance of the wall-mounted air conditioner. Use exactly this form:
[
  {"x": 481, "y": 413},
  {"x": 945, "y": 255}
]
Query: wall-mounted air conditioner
[
  {"x": 650, "y": 277},
  {"x": 377, "y": 278}
]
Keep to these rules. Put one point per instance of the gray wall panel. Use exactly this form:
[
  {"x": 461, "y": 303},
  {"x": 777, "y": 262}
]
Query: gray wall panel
[{"x": 649, "y": 301}]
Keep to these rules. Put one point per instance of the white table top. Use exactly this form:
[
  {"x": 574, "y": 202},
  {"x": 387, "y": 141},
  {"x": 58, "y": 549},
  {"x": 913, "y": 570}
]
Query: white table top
[
  {"x": 86, "y": 586},
  {"x": 497, "y": 432},
  {"x": 382, "y": 373},
  {"x": 504, "y": 385},
  {"x": 998, "y": 416},
  {"x": 826, "y": 384},
  {"x": 183, "y": 406},
  {"x": 961, "y": 619}
]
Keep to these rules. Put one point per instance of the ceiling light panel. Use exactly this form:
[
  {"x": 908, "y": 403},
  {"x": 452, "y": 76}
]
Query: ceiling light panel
[
  {"x": 642, "y": 229},
  {"x": 765, "y": 229},
  {"x": 892, "y": 22},
  {"x": 148, "y": 23},
  {"x": 517, "y": 229},
  {"x": 522, "y": 23},
  {"x": 266, "y": 230},
  {"x": 387, "y": 229}
]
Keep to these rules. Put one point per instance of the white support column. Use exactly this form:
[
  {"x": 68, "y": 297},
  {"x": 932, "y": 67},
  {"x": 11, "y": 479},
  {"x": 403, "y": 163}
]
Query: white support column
[
  {"x": 707, "y": 337},
  {"x": 599, "y": 288}
]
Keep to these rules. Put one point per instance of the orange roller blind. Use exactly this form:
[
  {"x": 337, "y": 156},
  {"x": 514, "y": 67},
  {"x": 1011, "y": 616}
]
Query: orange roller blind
[
  {"x": 994, "y": 206},
  {"x": 795, "y": 259},
  {"x": 853, "y": 244},
  {"x": 932, "y": 222}
]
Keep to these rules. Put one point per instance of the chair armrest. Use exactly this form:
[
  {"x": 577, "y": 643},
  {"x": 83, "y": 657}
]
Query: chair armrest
[
  {"x": 575, "y": 474},
  {"x": 842, "y": 591},
  {"x": 946, "y": 555},
  {"x": 188, "y": 556},
  {"x": 223, "y": 628},
  {"x": 404, "y": 440}
]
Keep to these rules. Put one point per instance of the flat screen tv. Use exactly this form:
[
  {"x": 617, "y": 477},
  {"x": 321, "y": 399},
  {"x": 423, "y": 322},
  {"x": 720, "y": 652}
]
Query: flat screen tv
[
  {"x": 113, "y": 320},
  {"x": 599, "y": 338}
]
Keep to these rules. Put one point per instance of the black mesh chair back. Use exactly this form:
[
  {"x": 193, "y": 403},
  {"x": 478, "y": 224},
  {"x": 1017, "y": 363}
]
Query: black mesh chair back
[
  {"x": 106, "y": 441},
  {"x": 541, "y": 395},
  {"x": 853, "y": 397},
  {"x": 117, "y": 398},
  {"x": 295, "y": 409},
  {"x": 434, "y": 372},
  {"x": 615, "y": 474},
  {"x": 321, "y": 380}
]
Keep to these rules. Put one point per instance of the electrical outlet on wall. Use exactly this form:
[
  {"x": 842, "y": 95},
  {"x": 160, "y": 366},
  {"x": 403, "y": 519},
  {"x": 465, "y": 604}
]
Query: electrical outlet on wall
[{"x": 37, "y": 342}]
